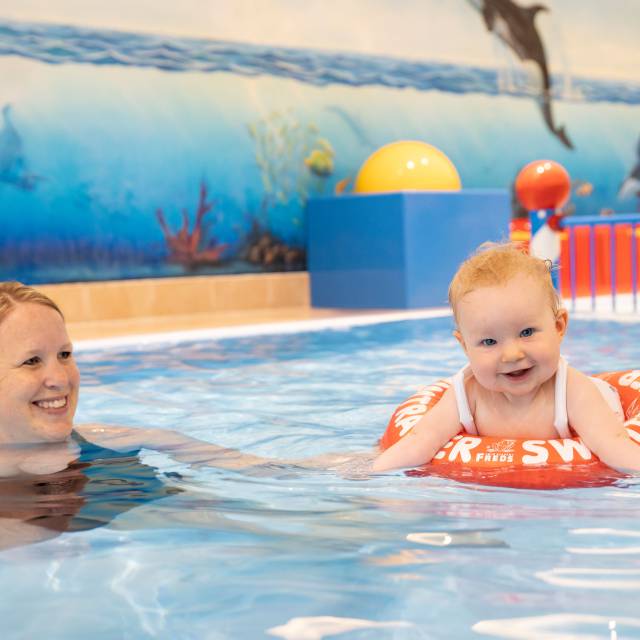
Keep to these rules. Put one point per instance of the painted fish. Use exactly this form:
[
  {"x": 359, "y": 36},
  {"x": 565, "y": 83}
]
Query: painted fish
[
  {"x": 13, "y": 168},
  {"x": 320, "y": 160},
  {"x": 630, "y": 186},
  {"x": 583, "y": 188},
  {"x": 341, "y": 186}
]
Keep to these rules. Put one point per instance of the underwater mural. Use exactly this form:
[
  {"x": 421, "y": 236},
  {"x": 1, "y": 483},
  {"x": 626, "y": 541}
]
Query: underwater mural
[{"x": 150, "y": 144}]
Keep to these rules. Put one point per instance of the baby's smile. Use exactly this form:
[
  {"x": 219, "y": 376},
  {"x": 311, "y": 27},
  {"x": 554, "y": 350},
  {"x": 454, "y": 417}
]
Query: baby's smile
[{"x": 519, "y": 373}]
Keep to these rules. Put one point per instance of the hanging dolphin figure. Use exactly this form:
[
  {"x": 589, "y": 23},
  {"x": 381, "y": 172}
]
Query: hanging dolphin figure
[
  {"x": 13, "y": 168},
  {"x": 514, "y": 25},
  {"x": 631, "y": 184}
]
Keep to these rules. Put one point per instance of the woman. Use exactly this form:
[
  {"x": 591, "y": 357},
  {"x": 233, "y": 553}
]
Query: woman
[{"x": 55, "y": 476}]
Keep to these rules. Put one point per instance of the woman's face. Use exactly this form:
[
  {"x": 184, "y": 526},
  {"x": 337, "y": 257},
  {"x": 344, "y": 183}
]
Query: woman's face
[{"x": 39, "y": 378}]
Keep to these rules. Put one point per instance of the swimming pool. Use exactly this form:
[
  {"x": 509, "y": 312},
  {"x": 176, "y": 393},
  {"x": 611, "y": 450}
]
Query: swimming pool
[{"x": 308, "y": 554}]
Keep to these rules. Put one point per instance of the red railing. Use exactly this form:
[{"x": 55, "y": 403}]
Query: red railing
[{"x": 599, "y": 261}]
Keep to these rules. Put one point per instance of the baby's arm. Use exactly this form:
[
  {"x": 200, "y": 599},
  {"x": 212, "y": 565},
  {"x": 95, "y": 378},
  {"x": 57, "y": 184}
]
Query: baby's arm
[
  {"x": 434, "y": 430},
  {"x": 598, "y": 426}
]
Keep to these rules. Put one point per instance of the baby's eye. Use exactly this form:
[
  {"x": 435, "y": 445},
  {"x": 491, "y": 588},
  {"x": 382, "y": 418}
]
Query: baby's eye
[
  {"x": 527, "y": 333},
  {"x": 488, "y": 342},
  {"x": 31, "y": 362},
  {"x": 65, "y": 355}
]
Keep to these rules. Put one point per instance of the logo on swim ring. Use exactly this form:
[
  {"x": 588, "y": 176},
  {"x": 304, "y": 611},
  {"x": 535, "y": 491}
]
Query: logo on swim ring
[
  {"x": 503, "y": 446},
  {"x": 501, "y": 451}
]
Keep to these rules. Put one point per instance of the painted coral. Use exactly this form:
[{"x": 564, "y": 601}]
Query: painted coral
[{"x": 185, "y": 246}]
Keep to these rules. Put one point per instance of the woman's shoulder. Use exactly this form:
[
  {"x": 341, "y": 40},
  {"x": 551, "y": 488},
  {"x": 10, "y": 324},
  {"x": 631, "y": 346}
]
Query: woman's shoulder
[{"x": 111, "y": 437}]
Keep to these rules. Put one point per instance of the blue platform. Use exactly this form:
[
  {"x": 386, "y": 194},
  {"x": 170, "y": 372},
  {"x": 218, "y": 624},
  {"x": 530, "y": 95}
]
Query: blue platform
[{"x": 397, "y": 250}]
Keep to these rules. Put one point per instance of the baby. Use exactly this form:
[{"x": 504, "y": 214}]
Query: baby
[{"x": 516, "y": 385}]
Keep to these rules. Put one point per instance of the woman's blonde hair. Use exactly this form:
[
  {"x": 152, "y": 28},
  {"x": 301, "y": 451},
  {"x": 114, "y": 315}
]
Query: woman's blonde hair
[
  {"x": 495, "y": 264},
  {"x": 15, "y": 293}
]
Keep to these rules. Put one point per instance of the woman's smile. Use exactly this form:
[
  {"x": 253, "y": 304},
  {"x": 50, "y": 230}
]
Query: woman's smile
[{"x": 57, "y": 405}]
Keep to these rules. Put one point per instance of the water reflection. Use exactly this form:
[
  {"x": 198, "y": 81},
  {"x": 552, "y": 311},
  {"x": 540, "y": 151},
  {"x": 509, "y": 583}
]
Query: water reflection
[
  {"x": 477, "y": 538},
  {"x": 561, "y": 626}
]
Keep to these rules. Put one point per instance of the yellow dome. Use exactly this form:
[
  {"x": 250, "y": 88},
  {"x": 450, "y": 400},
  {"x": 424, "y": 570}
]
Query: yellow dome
[{"x": 407, "y": 164}]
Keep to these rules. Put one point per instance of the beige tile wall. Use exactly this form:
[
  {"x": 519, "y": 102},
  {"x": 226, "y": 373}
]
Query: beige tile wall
[{"x": 165, "y": 297}]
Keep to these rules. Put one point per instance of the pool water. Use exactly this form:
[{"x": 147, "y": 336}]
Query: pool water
[{"x": 307, "y": 555}]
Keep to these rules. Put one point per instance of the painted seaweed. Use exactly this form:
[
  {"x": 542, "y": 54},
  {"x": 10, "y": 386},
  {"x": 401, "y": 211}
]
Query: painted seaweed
[{"x": 294, "y": 161}]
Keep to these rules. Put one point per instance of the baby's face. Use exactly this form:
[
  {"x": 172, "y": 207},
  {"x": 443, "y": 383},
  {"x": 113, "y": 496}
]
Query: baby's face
[
  {"x": 39, "y": 378},
  {"x": 511, "y": 335}
]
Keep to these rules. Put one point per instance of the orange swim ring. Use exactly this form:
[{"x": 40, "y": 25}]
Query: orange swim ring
[{"x": 521, "y": 463}]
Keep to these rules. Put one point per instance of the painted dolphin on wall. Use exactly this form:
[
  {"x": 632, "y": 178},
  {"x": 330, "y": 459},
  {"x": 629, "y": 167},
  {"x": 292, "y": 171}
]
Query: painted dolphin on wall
[
  {"x": 631, "y": 184},
  {"x": 515, "y": 26},
  {"x": 13, "y": 168}
]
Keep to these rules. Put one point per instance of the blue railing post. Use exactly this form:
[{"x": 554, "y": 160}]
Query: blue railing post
[
  {"x": 592, "y": 265},
  {"x": 572, "y": 267},
  {"x": 613, "y": 260},
  {"x": 634, "y": 267}
]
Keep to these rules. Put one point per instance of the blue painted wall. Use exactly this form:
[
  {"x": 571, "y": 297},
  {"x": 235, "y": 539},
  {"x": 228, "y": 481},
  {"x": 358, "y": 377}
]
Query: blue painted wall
[{"x": 117, "y": 121}]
